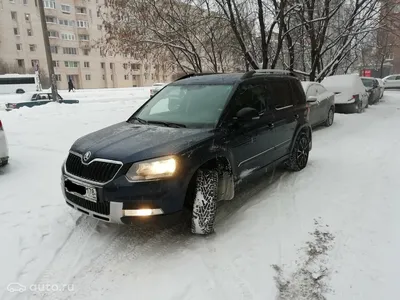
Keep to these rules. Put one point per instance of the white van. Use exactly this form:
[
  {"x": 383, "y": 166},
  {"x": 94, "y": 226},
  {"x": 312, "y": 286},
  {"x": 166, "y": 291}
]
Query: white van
[{"x": 350, "y": 92}]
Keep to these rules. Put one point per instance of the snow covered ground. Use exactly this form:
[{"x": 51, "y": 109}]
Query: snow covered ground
[{"x": 349, "y": 188}]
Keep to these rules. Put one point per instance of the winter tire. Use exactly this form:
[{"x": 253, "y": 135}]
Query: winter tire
[
  {"x": 358, "y": 107},
  {"x": 205, "y": 202},
  {"x": 330, "y": 117},
  {"x": 299, "y": 155},
  {"x": 3, "y": 162}
]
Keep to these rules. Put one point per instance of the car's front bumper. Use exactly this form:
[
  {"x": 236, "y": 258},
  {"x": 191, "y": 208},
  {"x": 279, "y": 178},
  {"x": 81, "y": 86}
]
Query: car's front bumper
[{"x": 121, "y": 201}]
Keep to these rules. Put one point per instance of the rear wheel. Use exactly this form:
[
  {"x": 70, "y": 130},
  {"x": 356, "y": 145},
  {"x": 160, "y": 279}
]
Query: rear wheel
[
  {"x": 298, "y": 158},
  {"x": 3, "y": 162},
  {"x": 358, "y": 107},
  {"x": 330, "y": 117},
  {"x": 205, "y": 202}
]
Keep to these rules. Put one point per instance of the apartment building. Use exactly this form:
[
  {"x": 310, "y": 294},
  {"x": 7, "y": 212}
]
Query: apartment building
[{"x": 73, "y": 27}]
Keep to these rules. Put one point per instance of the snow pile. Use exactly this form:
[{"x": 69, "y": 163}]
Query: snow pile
[{"x": 350, "y": 184}]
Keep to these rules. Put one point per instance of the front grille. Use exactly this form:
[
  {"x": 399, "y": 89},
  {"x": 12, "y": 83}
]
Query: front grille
[
  {"x": 97, "y": 171},
  {"x": 99, "y": 207}
]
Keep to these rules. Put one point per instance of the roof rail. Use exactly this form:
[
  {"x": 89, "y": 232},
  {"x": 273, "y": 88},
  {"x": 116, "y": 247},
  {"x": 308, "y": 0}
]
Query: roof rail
[
  {"x": 274, "y": 71},
  {"x": 194, "y": 74},
  {"x": 248, "y": 74}
]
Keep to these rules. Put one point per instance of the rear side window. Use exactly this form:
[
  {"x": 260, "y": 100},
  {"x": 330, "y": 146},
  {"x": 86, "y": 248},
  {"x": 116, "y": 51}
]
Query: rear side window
[
  {"x": 282, "y": 94},
  {"x": 251, "y": 95}
]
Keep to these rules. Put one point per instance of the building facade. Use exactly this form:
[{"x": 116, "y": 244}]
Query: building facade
[{"x": 73, "y": 26}]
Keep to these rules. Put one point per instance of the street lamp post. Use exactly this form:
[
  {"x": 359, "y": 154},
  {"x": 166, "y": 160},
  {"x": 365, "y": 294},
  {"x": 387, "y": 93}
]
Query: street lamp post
[{"x": 47, "y": 50}]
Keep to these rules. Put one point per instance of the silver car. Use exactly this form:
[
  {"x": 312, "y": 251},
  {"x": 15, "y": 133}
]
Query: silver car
[
  {"x": 321, "y": 102},
  {"x": 3, "y": 146},
  {"x": 392, "y": 81},
  {"x": 155, "y": 88}
]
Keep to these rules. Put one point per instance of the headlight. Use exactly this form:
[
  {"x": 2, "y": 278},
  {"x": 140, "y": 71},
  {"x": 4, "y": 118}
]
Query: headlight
[{"x": 157, "y": 168}]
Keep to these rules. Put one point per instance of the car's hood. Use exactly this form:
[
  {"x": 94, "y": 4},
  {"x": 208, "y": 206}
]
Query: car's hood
[{"x": 128, "y": 142}]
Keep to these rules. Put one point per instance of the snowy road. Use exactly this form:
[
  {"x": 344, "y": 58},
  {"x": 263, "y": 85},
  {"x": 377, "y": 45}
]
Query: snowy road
[{"x": 350, "y": 185}]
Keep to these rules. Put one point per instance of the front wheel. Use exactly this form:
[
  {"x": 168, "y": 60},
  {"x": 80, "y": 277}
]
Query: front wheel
[
  {"x": 330, "y": 117},
  {"x": 205, "y": 202},
  {"x": 298, "y": 158}
]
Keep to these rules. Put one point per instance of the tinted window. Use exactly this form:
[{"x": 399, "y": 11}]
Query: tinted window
[
  {"x": 255, "y": 96},
  {"x": 297, "y": 92},
  {"x": 321, "y": 89},
  {"x": 397, "y": 78},
  {"x": 282, "y": 93},
  {"x": 312, "y": 90},
  {"x": 367, "y": 82},
  {"x": 17, "y": 80}
]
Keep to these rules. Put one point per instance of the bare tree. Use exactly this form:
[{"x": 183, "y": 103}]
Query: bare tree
[{"x": 189, "y": 34}]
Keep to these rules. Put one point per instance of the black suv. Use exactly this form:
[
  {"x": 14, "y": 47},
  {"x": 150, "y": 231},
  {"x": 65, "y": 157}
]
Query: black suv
[{"x": 188, "y": 146}]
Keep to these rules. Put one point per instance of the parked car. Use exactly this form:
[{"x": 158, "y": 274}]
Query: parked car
[
  {"x": 38, "y": 98},
  {"x": 165, "y": 160},
  {"x": 155, "y": 88},
  {"x": 322, "y": 103},
  {"x": 350, "y": 93},
  {"x": 3, "y": 146},
  {"x": 381, "y": 87},
  {"x": 372, "y": 87},
  {"x": 392, "y": 81}
]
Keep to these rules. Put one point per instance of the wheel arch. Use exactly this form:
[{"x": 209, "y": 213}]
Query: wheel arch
[
  {"x": 303, "y": 128},
  {"x": 226, "y": 185}
]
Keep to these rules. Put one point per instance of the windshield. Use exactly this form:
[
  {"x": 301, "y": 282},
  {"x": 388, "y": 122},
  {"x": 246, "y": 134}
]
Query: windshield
[
  {"x": 188, "y": 105},
  {"x": 367, "y": 82}
]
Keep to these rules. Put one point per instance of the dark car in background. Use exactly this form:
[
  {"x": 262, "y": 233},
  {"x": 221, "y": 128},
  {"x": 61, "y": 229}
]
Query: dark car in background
[
  {"x": 35, "y": 99},
  {"x": 373, "y": 89},
  {"x": 187, "y": 155}
]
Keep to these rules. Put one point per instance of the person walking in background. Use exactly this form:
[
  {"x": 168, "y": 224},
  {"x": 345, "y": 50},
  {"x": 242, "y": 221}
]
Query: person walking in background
[{"x": 70, "y": 85}]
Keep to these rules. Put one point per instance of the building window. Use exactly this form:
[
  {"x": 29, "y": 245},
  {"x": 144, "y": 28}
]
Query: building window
[
  {"x": 82, "y": 24},
  {"x": 49, "y": 4},
  {"x": 50, "y": 19},
  {"x": 19, "y": 47},
  {"x": 102, "y": 65},
  {"x": 16, "y": 31},
  {"x": 68, "y": 36},
  {"x": 66, "y": 22},
  {"x": 104, "y": 77},
  {"x": 83, "y": 37},
  {"x": 58, "y": 77},
  {"x": 12, "y": 1},
  {"x": 56, "y": 63},
  {"x": 53, "y": 34},
  {"x": 133, "y": 77},
  {"x": 86, "y": 64},
  {"x": 71, "y": 64},
  {"x": 126, "y": 77},
  {"x": 69, "y": 50},
  {"x": 25, "y": 2},
  {"x": 20, "y": 63},
  {"x": 112, "y": 77},
  {"x": 80, "y": 10},
  {"x": 135, "y": 67},
  {"x": 66, "y": 8},
  {"x": 85, "y": 52},
  {"x": 29, "y": 32},
  {"x": 125, "y": 66},
  {"x": 111, "y": 66},
  {"x": 14, "y": 15},
  {"x": 87, "y": 77},
  {"x": 54, "y": 49},
  {"x": 27, "y": 17},
  {"x": 99, "y": 27},
  {"x": 32, "y": 47},
  {"x": 35, "y": 62}
]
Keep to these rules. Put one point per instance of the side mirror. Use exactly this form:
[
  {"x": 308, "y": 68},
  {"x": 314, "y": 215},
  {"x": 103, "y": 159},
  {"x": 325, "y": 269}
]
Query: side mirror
[
  {"x": 311, "y": 99},
  {"x": 247, "y": 114}
]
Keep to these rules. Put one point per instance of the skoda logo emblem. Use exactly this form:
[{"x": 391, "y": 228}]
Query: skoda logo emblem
[{"x": 87, "y": 156}]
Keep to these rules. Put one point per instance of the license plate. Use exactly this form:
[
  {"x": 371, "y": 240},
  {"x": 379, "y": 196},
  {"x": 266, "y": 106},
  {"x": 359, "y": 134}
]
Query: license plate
[{"x": 80, "y": 189}]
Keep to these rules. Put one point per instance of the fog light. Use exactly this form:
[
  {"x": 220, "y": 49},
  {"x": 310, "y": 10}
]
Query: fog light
[{"x": 142, "y": 212}]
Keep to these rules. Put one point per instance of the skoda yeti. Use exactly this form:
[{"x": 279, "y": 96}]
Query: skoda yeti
[{"x": 187, "y": 147}]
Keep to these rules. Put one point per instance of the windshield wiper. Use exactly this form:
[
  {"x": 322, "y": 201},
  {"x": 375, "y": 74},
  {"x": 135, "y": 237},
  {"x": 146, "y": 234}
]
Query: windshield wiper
[
  {"x": 167, "y": 124},
  {"x": 139, "y": 120}
]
